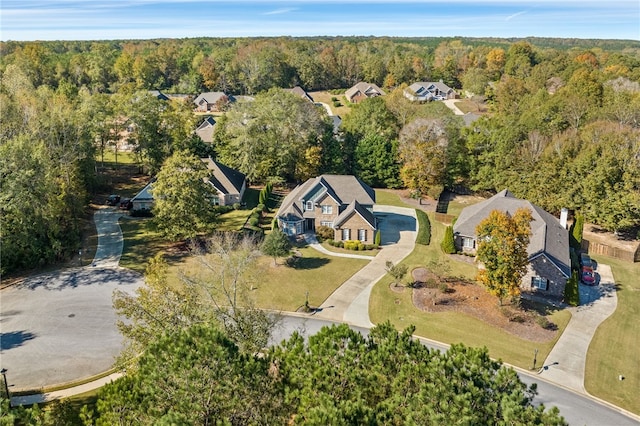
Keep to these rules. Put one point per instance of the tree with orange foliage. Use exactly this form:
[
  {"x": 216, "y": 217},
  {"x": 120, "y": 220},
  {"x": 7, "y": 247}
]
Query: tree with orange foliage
[{"x": 502, "y": 249}]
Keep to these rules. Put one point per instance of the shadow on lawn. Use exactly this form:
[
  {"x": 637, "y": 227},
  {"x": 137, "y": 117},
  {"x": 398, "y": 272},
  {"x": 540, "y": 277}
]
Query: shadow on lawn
[{"x": 308, "y": 262}]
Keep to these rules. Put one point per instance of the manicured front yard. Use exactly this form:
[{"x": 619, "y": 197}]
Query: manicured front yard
[
  {"x": 451, "y": 327},
  {"x": 614, "y": 348},
  {"x": 141, "y": 243},
  {"x": 284, "y": 288}
]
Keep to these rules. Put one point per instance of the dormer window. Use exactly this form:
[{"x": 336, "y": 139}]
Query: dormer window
[{"x": 309, "y": 205}]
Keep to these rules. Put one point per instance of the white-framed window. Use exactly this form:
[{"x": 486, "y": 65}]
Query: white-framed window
[
  {"x": 362, "y": 235},
  {"x": 346, "y": 234},
  {"x": 468, "y": 243},
  {"x": 539, "y": 283},
  {"x": 326, "y": 223},
  {"x": 327, "y": 209},
  {"x": 309, "y": 205},
  {"x": 299, "y": 228}
]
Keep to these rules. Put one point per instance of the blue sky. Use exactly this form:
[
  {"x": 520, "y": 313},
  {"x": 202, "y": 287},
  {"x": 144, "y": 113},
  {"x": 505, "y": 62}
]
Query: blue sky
[{"x": 138, "y": 19}]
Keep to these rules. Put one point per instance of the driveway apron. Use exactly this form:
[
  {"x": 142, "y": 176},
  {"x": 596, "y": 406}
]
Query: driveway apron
[{"x": 350, "y": 302}]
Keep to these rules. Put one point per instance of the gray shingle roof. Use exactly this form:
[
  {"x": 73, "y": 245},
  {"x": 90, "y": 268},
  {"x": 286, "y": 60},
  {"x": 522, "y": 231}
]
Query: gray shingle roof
[
  {"x": 343, "y": 188},
  {"x": 548, "y": 236},
  {"x": 368, "y": 89},
  {"x": 205, "y": 129},
  {"x": 223, "y": 178},
  {"x": 355, "y": 208}
]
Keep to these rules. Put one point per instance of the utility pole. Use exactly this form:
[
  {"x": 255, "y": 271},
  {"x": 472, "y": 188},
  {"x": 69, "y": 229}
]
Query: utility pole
[
  {"x": 6, "y": 386},
  {"x": 535, "y": 358}
]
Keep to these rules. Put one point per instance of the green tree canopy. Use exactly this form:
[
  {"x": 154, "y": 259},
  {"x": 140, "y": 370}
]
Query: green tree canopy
[
  {"x": 275, "y": 136},
  {"x": 276, "y": 244},
  {"x": 182, "y": 197},
  {"x": 336, "y": 377}
]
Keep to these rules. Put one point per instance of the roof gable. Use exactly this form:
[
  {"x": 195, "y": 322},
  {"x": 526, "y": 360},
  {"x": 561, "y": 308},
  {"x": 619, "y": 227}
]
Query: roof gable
[
  {"x": 547, "y": 235},
  {"x": 355, "y": 208},
  {"x": 223, "y": 178}
]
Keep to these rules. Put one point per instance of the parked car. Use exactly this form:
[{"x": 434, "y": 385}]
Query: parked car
[
  {"x": 126, "y": 204},
  {"x": 585, "y": 260},
  {"x": 113, "y": 200},
  {"x": 588, "y": 276}
]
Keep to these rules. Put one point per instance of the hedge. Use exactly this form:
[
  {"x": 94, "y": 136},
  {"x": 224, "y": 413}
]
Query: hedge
[
  {"x": 571, "y": 292},
  {"x": 424, "y": 228}
]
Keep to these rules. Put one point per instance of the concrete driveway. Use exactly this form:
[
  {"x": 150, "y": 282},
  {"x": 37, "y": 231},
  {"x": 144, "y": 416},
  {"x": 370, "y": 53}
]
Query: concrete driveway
[
  {"x": 60, "y": 327},
  {"x": 350, "y": 302},
  {"x": 566, "y": 361}
]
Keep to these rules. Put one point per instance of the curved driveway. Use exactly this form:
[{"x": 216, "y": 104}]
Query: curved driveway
[
  {"x": 60, "y": 327},
  {"x": 350, "y": 302}
]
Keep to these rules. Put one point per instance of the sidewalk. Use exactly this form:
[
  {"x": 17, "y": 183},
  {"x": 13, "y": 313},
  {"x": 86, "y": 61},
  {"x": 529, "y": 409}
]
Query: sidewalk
[
  {"x": 350, "y": 302},
  {"x": 565, "y": 364},
  {"x": 39, "y": 398}
]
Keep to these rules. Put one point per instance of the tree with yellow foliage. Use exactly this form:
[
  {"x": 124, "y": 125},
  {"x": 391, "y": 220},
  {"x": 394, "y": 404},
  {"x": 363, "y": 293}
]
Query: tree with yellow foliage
[{"x": 502, "y": 249}]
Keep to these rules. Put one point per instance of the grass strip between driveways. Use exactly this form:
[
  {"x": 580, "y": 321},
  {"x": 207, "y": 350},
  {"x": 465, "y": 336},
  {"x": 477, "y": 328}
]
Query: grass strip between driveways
[
  {"x": 614, "y": 348},
  {"x": 452, "y": 327}
]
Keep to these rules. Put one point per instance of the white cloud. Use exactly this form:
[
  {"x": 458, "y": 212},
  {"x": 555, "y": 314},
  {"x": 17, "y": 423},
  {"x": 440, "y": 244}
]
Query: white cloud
[{"x": 281, "y": 11}]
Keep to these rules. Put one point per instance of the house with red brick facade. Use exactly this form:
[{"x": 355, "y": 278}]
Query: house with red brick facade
[{"x": 341, "y": 202}]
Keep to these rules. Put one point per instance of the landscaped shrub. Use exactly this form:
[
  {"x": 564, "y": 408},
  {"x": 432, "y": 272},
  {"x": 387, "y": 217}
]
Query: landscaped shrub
[
  {"x": 261, "y": 208},
  {"x": 222, "y": 209},
  {"x": 571, "y": 292},
  {"x": 377, "y": 239},
  {"x": 254, "y": 221},
  {"x": 236, "y": 206},
  {"x": 141, "y": 213},
  {"x": 353, "y": 245},
  {"x": 324, "y": 233},
  {"x": 424, "y": 228},
  {"x": 331, "y": 242},
  {"x": 448, "y": 245}
]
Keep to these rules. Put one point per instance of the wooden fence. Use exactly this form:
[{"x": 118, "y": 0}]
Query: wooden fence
[
  {"x": 592, "y": 247},
  {"x": 444, "y": 218}
]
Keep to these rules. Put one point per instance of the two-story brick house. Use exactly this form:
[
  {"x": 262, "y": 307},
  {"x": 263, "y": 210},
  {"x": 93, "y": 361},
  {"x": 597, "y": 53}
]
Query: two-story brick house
[{"x": 341, "y": 202}]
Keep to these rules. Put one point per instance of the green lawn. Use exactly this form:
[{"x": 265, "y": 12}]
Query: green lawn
[
  {"x": 451, "y": 327},
  {"x": 141, "y": 243},
  {"x": 127, "y": 158},
  {"x": 284, "y": 288},
  {"x": 614, "y": 348},
  {"x": 233, "y": 220},
  {"x": 389, "y": 199}
]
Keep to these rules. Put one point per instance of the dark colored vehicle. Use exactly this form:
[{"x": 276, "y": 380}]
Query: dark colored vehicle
[
  {"x": 585, "y": 260},
  {"x": 113, "y": 200},
  {"x": 126, "y": 204}
]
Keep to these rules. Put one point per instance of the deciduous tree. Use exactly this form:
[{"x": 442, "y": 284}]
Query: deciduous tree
[
  {"x": 502, "y": 249},
  {"x": 182, "y": 197}
]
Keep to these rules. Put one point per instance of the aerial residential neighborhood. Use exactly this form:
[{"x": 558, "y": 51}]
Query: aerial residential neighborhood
[{"x": 255, "y": 230}]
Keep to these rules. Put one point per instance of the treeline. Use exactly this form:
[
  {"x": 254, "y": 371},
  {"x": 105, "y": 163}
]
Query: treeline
[
  {"x": 251, "y": 65},
  {"x": 562, "y": 127}
]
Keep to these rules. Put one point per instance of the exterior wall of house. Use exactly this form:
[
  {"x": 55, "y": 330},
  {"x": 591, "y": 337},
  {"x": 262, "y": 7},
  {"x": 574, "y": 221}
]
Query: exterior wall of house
[
  {"x": 321, "y": 217},
  {"x": 354, "y": 223},
  {"x": 142, "y": 204},
  {"x": 544, "y": 268},
  {"x": 459, "y": 241}
]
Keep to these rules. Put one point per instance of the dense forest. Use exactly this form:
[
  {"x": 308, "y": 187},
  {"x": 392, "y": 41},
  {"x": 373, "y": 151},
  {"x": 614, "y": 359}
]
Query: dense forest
[{"x": 562, "y": 126}]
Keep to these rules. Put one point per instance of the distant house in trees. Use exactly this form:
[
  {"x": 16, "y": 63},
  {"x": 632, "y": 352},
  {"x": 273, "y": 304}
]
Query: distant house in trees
[
  {"x": 229, "y": 185},
  {"x": 212, "y": 101},
  {"x": 159, "y": 95},
  {"x": 341, "y": 202},
  {"x": 424, "y": 91},
  {"x": 549, "y": 262},
  {"x": 299, "y": 91},
  {"x": 363, "y": 91},
  {"x": 205, "y": 129}
]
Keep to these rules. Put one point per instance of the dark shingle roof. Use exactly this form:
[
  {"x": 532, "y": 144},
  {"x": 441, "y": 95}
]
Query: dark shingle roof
[
  {"x": 223, "y": 178},
  {"x": 547, "y": 235}
]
